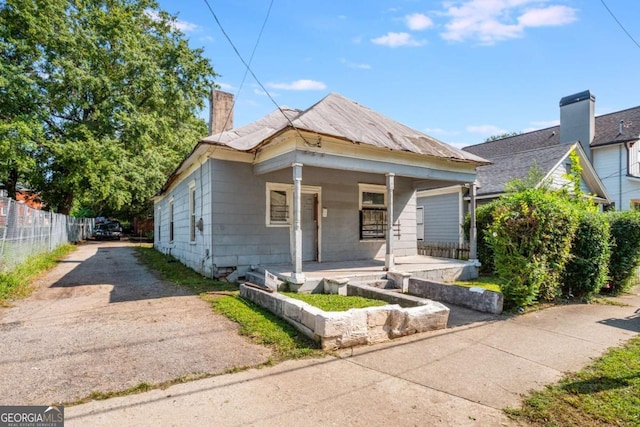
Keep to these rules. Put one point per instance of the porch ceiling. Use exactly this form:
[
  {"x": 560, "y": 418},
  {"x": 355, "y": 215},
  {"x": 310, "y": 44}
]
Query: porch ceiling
[{"x": 333, "y": 161}]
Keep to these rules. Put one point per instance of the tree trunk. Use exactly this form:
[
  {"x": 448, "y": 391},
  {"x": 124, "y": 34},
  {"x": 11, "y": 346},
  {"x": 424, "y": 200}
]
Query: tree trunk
[
  {"x": 65, "y": 204},
  {"x": 12, "y": 183}
]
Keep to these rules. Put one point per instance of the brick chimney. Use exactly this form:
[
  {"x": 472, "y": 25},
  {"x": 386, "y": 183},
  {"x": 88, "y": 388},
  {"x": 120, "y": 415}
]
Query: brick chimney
[
  {"x": 221, "y": 111},
  {"x": 577, "y": 120}
]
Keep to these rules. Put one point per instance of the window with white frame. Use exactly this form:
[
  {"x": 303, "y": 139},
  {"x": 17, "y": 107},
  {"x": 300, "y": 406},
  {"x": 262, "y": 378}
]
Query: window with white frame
[
  {"x": 192, "y": 212},
  {"x": 159, "y": 233},
  {"x": 634, "y": 158},
  {"x": 171, "y": 220},
  {"x": 278, "y": 211},
  {"x": 373, "y": 211}
]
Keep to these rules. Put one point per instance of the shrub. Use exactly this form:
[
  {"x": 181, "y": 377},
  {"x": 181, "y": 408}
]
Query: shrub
[
  {"x": 625, "y": 250},
  {"x": 531, "y": 238},
  {"x": 484, "y": 219},
  {"x": 586, "y": 271}
]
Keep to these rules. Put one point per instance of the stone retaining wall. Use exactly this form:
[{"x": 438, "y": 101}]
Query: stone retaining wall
[
  {"x": 360, "y": 326},
  {"x": 474, "y": 298}
]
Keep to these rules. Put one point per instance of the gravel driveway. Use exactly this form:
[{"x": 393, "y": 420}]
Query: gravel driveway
[{"x": 101, "y": 322}]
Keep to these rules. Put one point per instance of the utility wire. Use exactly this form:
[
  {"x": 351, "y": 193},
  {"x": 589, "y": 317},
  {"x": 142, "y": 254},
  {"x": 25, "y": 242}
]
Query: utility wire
[
  {"x": 619, "y": 23},
  {"x": 248, "y": 68},
  {"x": 246, "y": 71}
]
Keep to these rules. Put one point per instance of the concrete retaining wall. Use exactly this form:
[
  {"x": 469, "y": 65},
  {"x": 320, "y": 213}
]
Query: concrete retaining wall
[
  {"x": 474, "y": 298},
  {"x": 360, "y": 326}
]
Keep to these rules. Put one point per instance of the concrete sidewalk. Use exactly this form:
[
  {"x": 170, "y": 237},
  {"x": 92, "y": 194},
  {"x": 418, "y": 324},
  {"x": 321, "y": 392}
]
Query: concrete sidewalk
[{"x": 460, "y": 377}]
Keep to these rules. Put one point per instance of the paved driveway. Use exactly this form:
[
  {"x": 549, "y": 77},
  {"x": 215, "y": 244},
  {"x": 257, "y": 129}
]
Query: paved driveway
[{"x": 101, "y": 322}]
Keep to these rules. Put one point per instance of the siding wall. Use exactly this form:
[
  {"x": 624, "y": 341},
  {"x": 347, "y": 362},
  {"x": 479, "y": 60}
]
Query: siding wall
[
  {"x": 611, "y": 165},
  {"x": 235, "y": 232},
  {"x": 442, "y": 222},
  {"x": 196, "y": 255}
]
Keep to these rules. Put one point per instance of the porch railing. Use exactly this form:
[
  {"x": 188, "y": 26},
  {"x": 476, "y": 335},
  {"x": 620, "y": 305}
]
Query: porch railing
[{"x": 444, "y": 250}]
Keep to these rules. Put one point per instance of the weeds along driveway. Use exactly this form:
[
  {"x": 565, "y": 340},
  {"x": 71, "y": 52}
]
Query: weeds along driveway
[{"x": 100, "y": 321}]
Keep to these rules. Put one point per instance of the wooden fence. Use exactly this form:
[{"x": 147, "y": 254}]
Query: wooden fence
[{"x": 444, "y": 250}]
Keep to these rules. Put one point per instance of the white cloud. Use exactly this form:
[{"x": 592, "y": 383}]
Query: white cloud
[
  {"x": 355, "y": 65},
  {"x": 418, "y": 21},
  {"x": 299, "y": 85},
  {"x": 490, "y": 21},
  {"x": 397, "y": 39},
  {"x": 176, "y": 24},
  {"x": 207, "y": 39},
  {"x": 542, "y": 124},
  {"x": 552, "y": 15},
  {"x": 486, "y": 130}
]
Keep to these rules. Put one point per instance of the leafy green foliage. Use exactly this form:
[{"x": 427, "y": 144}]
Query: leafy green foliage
[
  {"x": 625, "y": 250},
  {"x": 531, "y": 239},
  {"x": 111, "y": 91},
  {"x": 484, "y": 219},
  {"x": 586, "y": 272}
]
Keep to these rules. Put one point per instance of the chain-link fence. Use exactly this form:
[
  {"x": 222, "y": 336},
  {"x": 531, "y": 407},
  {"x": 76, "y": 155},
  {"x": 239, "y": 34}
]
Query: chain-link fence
[{"x": 25, "y": 231}]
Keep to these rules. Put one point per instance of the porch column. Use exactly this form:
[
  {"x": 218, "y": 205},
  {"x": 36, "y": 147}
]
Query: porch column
[
  {"x": 389, "y": 262},
  {"x": 473, "y": 232},
  {"x": 298, "y": 276}
]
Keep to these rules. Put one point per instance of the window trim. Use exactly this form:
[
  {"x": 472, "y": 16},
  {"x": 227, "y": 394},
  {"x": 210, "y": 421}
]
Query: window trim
[
  {"x": 371, "y": 188},
  {"x": 192, "y": 212},
  {"x": 288, "y": 189},
  {"x": 171, "y": 221},
  {"x": 159, "y": 239},
  {"x": 633, "y": 163}
]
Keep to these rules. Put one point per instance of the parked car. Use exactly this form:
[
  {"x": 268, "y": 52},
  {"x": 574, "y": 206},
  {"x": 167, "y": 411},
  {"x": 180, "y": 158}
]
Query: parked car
[{"x": 108, "y": 230}]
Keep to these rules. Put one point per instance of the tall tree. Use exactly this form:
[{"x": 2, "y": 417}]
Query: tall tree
[{"x": 115, "y": 90}]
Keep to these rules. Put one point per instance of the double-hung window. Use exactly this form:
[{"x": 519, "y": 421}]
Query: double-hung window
[
  {"x": 171, "y": 220},
  {"x": 278, "y": 212},
  {"x": 373, "y": 211}
]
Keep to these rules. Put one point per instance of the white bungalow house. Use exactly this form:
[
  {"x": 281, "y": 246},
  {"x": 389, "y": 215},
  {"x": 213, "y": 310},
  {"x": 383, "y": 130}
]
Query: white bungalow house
[{"x": 334, "y": 182}]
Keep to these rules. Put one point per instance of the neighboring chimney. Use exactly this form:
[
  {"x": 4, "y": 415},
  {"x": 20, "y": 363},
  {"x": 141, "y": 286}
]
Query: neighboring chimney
[
  {"x": 221, "y": 112},
  {"x": 577, "y": 120}
]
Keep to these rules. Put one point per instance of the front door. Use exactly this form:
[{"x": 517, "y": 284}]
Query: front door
[{"x": 309, "y": 202}]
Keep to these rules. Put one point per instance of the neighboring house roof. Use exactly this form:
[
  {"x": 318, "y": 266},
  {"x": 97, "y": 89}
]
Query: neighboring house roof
[
  {"x": 345, "y": 119},
  {"x": 607, "y": 131},
  {"x": 493, "y": 178}
]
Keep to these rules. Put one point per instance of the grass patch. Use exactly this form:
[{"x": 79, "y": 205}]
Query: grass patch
[
  {"x": 18, "y": 282},
  {"x": 260, "y": 325},
  {"x": 605, "y": 393},
  {"x": 330, "y": 302},
  {"x": 264, "y": 327},
  {"x": 490, "y": 283},
  {"x": 178, "y": 273}
]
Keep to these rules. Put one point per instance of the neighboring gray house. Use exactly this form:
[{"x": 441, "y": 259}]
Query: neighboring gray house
[
  {"x": 609, "y": 159},
  {"x": 316, "y": 185}
]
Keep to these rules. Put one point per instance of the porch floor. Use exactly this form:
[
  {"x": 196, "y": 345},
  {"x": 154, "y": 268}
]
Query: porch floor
[{"x": 420, "y": 265}]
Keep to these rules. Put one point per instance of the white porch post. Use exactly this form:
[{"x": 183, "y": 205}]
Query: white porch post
[
  {"x": 298, "y": 275},
  {"x": 473, "y": 232},
  {"x": 389, "y": 262}
]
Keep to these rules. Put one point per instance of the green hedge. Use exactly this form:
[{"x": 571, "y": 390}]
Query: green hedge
[
  {"x": 586, "y": 272},
  {"x": 625, "y": 250},
  {"x": 484, "y": 219},
  {"x": 531, "y": 238}
]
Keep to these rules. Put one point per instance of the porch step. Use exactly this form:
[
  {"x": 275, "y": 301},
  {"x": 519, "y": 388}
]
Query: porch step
[
  {"x": 257, "y": 276},
  {"x": 379, "y": 283}
]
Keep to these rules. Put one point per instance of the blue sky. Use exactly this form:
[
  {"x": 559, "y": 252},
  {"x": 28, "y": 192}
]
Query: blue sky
[{"x": 459, "y": 71}]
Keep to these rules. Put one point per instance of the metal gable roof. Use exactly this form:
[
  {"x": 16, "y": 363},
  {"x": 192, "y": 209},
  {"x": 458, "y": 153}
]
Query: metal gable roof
[{"x": 345, "y": 119}]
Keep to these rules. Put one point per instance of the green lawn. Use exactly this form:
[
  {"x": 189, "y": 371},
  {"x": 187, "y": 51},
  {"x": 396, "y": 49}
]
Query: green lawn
[
  {"x": 255, "y": 322},
  {"x": 490, "y": 283},
  {"x": 17, "y": 283},
  {"x": 607, "y": 393},
  {"x": 328, "y": 302}
]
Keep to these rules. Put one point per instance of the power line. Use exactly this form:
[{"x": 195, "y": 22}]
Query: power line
[
  {"x": 619, "y": 23},
  {"x": 248, "y": 68}
]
